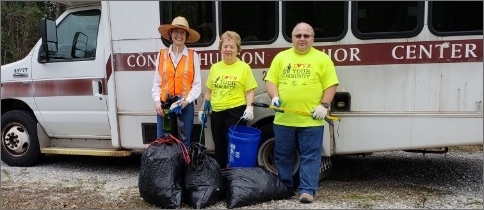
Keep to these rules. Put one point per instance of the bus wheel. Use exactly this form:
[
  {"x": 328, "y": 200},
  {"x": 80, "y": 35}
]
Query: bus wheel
[
  {"x": 20, "y": 146},
  {"x": 265, "y": 157}
]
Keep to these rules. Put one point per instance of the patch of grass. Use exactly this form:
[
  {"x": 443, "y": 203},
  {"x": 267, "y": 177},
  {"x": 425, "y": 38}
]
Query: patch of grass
[
  {"x": 423, "y": 194},
  {"x": 365, "y": 205},
  {"x": 6, "y": 174},
  {"x": 363, "y": 197},
  {"x": 473, "y": 201},
  {"x": 421, "y": 200},
  {"x": 365, "y": 200},
  {"x": 468, "y": 148},
  {"x": 24, "y": 171},
  {"x": 366, "y": 196},
  {"x": 429, "y": 191},
  {"x": 60, "y": 196},
  {"x": 98, "y": 184}
]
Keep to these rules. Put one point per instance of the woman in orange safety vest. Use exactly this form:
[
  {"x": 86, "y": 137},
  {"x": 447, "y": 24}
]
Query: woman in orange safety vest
[{"x": 177, "y": 80}]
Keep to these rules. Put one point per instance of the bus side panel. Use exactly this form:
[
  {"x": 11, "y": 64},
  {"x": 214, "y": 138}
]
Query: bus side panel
[
  {"x": 134, "y": 29},
  {"x": 387, "y": 133},
  {"x": 446, "y": 87},
  {"x": 134, "y": 20}
]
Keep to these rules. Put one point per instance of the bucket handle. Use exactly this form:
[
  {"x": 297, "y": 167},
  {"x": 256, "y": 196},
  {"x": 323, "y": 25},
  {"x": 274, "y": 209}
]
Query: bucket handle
[{"x": 235, "y": 126}]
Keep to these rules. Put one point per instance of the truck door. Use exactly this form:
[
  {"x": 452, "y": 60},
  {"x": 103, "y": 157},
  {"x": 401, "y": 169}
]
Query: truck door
[{"x": 69, "y": 83}]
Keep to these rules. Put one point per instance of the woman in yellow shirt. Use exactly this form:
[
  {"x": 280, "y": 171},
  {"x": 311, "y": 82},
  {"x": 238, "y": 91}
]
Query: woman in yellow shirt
[{"x": 230, "y": 93}]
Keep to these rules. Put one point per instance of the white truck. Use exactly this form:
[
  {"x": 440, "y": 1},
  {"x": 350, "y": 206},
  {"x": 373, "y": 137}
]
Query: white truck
[{"x": 84, "y": 88}]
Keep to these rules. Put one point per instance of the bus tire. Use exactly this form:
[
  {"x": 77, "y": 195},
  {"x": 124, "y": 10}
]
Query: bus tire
[
  {"x": 20, "y": 145},
  {"x": 265, "y": 154}
]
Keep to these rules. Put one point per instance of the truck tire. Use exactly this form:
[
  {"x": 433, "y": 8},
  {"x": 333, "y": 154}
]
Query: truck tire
[
  {"x": 20, "y": 145},
  {"x": 265, "y": 154}
]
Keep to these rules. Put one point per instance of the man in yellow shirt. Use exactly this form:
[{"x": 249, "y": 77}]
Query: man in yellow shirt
[{"x": 301, "y": 78}]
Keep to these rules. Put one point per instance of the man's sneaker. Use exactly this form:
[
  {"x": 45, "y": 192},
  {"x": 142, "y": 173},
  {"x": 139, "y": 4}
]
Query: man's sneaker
[{"x": 306, "y": 198}]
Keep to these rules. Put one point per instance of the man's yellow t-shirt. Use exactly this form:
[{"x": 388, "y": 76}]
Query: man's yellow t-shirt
[
  {"x": 229, "y": 84},
  {"x": 301, "y": 80}
]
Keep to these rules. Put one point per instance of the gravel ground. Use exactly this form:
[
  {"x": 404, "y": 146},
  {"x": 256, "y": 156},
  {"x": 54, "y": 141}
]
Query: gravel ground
[{"x": 387, "y": 180}]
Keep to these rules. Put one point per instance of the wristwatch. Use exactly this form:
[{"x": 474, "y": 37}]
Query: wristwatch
[{"x": 325, "y": 105}]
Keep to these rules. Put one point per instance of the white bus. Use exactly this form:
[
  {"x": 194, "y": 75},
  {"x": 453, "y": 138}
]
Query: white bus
[{"x": 411, "y": 74}]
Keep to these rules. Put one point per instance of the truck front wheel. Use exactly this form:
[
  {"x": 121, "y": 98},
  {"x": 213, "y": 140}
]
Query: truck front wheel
[{"x": 20, "y": 145}]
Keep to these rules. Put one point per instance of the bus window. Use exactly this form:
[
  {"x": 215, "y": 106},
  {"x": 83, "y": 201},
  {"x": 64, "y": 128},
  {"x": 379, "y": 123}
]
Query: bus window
[
  {"x": 200, "y": 16},
  {"x": 455, "y": 18},
  {"x": 391, "y": 19},
  {"x": 255, "y": 22},
  {"x": 328, "y": 18}
]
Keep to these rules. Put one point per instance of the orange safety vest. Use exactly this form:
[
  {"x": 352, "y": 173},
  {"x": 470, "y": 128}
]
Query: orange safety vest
[{"x": 177, "y": 81}]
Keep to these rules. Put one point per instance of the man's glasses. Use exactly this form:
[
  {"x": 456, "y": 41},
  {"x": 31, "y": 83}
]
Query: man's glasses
[{"x": 302, "y": 35}]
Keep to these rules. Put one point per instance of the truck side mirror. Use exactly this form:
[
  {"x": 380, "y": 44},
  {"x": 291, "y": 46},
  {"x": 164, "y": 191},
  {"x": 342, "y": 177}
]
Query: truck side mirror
[
  {"x": 49, "y": 35},
  {"x": 48, "y": 30},
  {"x": 79, "y": 45}
]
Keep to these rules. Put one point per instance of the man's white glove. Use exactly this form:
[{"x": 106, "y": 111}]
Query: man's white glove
[
  {"x": 276, "y": 102},
  {"x": 320, "y": 112},
  {"x": 248, "y": 113}
]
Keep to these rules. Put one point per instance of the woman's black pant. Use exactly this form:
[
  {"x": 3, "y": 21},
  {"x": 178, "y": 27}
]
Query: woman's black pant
[{"x": 220, "y": 124}]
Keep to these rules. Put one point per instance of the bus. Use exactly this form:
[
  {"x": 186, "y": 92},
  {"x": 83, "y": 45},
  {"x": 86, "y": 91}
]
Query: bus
[{"x": 410, "y": 72}]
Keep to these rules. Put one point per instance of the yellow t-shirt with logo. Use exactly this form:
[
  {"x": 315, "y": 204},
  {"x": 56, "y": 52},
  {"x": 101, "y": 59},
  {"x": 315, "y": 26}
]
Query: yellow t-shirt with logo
[
  {"x": 301, "y": 80},
  {"x": 229, "y": 84}
]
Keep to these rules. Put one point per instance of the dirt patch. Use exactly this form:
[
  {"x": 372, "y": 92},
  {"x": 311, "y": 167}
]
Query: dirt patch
[
  {"x": 370, "y": 195},
  {"x": 42, "y": 196},
  {"x": 375, "y": 183}
]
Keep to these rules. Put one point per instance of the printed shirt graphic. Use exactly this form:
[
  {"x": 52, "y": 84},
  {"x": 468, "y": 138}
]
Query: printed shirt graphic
[
  {"x": 229, "y": 84},
  {"x": 301, "y": 80}
]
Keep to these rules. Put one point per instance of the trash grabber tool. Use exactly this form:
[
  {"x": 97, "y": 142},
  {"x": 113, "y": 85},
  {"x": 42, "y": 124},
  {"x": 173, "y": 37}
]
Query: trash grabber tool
[
  {"x": 282, "y": 109},
  {"x": 201, "y": 131}
]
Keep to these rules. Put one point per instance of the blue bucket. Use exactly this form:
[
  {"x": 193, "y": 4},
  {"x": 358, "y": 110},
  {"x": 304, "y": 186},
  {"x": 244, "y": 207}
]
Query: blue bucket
[{"x": 243, "y": 146}]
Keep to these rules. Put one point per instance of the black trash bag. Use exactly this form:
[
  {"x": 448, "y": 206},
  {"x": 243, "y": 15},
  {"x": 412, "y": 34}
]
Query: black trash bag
[
  {"x": 161, "y": 172},
  {"x": 248, "y": 186},
  {"x": 203, "y": 179}
]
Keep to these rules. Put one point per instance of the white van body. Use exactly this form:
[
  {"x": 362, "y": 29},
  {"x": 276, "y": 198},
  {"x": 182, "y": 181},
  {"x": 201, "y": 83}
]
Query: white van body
[{"x": 102, "y": 106}]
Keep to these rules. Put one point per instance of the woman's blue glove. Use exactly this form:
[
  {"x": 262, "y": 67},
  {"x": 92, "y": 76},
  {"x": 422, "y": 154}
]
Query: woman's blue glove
[
  {"x": 202, "y": 118},
  {"x": 202, "y": 114},
  {"x": 176, "y": 107},
  {"x": 206, "y": 106}
]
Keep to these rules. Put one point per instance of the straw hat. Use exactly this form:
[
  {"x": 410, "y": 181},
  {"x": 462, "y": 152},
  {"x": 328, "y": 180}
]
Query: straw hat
[{"x": 181, "y": 23}]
